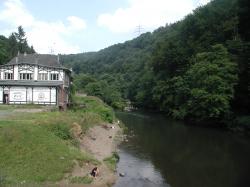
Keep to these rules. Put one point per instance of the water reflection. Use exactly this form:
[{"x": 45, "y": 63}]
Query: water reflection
[
  {"x": 164, "y": 152},
  {"x": 139, "y": 172}
]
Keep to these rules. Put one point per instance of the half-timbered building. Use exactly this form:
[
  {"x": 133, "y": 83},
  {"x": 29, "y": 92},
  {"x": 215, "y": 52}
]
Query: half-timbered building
[{"x": 36, "y": 79}]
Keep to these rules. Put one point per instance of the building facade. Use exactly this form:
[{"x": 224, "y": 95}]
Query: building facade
[{"x": 34, "y": 79}]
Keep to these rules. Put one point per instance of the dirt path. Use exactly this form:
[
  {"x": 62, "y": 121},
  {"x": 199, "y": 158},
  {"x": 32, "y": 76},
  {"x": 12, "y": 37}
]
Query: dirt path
[
  {"x": 100, "y": 142},
  {"x": 9, "y": 110}
]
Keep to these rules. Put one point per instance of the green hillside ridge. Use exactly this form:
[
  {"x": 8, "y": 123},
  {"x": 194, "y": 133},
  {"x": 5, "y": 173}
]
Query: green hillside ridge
[{"x": 156, "y": 70}]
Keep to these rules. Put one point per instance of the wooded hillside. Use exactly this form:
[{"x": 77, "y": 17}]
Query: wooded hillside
[{"x": 196, "y": 68}]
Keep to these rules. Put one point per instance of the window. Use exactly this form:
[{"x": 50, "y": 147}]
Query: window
[
  {"x": 8, "y": 76},
  {"x": 43, "y": 76},
  {"x": 54, "y": 76},
  {"x": 25, "y": 76}
]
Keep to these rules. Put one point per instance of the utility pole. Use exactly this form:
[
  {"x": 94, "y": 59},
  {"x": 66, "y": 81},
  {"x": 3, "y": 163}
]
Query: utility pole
[
  {"x": 52, "y": 49},
  {"x": 139, "y": 30}
]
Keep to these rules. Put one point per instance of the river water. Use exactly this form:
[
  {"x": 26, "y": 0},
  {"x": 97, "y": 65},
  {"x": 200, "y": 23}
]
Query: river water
[{"x": 165, "y": 153}]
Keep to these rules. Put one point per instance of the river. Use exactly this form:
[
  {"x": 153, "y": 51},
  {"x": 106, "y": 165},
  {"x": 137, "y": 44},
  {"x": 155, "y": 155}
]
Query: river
[{"x": 165, "y": 153}]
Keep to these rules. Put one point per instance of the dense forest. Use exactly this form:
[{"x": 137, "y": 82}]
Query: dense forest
[
  {"x": 16, "y": 42},
  {"x": 195, "y": 69}
]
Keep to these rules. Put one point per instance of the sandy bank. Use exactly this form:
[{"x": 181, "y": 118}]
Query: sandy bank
[{"x": 100, "y": 141}]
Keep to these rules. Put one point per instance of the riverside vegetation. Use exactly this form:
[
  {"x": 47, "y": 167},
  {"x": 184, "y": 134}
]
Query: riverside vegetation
[
  {"x": 40, "y": 147},
  {"x": 196, "y": 69}
]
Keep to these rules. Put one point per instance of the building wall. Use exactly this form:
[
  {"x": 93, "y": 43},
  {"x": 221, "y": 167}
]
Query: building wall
[
  {"x": 37, "y": 95},
  {"x": 17, "y": 94},
  {"x": 27, "y": 95},
  {"x": 1, "y": 95},
  {"x": 44, "y": 95},
  {"x": 33, "y": 69}
]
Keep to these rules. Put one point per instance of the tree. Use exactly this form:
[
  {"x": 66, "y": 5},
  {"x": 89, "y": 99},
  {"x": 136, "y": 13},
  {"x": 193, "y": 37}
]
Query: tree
[
  {"x": 3, "y": 49},
  {"x": 83, "y": 80},
  {"x": 23, "y": 46},
  {"x": 174, "y": 69},
  {"x": 13, "y": 45},
  {"x": 211, "y": 81}
]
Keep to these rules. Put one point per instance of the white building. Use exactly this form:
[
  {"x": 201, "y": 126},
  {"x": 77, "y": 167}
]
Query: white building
[{"x": 34, "y": 78}]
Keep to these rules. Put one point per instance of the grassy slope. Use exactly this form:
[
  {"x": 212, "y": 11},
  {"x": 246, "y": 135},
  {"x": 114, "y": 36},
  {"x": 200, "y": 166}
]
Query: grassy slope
[{"x": 39, "y": 147}]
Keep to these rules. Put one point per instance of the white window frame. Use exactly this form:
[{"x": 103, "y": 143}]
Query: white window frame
[
  {"x": 25, "y": 76},
  {"x": 54, "y": 76},
  {"x": 42, "y": 76},
  {"x": 8, "y": 76}
]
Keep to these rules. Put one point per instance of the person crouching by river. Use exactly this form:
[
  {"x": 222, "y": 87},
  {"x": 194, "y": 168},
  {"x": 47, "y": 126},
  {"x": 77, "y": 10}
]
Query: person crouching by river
[{"x": 94, "y": 172}]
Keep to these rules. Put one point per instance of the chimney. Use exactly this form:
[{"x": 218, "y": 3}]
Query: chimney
[
  {"x": 25, "y": 54},
  {"x": 16, "y": 59},
  {"x": 18, "y": 53}
]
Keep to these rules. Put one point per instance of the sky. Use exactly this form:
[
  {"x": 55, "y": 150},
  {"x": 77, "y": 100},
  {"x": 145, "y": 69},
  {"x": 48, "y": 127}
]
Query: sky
[{"x": 76, "y": 26}]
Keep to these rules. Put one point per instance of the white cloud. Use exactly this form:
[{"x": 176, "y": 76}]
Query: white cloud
[
  {"x": 43, "y": 35},
  {"x": 203, "y": 2},
  {"x": 16, "y": 14},
  {"x": 76, "y": 23},
  {"x": 150, "y": 14}
]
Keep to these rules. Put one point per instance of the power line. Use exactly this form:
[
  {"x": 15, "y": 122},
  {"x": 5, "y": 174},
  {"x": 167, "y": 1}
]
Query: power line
[
  {"x": 52, "y": 49},
  {"x": 139, "y": 30}
]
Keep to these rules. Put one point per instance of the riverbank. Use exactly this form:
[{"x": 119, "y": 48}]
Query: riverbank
[
  {"x": 53, "y": 148},
  {"x": 101, "y": 142}
]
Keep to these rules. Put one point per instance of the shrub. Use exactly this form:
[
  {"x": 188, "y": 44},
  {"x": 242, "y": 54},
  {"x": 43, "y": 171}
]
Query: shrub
[{"x": 62, "y": 131}]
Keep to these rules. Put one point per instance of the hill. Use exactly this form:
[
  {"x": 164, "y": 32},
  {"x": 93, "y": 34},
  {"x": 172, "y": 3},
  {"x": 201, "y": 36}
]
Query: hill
[{"x": 196, "y": 68}]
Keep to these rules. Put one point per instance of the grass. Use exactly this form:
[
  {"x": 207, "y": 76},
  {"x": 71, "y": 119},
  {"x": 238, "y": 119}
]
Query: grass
[
  {"x": 31, "y": 153},
  {"x": 40, "y": 147},
  {"x": 97, "y": 106},
  {"x": 82, "y": 180},
  {"x": 112, "y": 161}
]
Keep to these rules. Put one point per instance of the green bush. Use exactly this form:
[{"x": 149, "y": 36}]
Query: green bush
[{"x": 62, "y": 131}]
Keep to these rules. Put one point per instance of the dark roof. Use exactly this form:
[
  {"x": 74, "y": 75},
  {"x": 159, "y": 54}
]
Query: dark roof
[
  {"x": 29, "y": 83},
  {"x": 39, "y": 59}
]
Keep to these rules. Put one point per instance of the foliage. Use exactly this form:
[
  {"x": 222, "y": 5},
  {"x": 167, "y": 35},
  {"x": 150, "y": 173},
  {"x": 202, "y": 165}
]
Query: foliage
[
  {"x": 107, "y": 89},
  {"x": 176, "y": 68},
  {"x": 16, "y": 42},
  {"x": 96, "y": 106},
  {"x": 61, "y": 130},
  {"x": 211, "y": 81}
]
